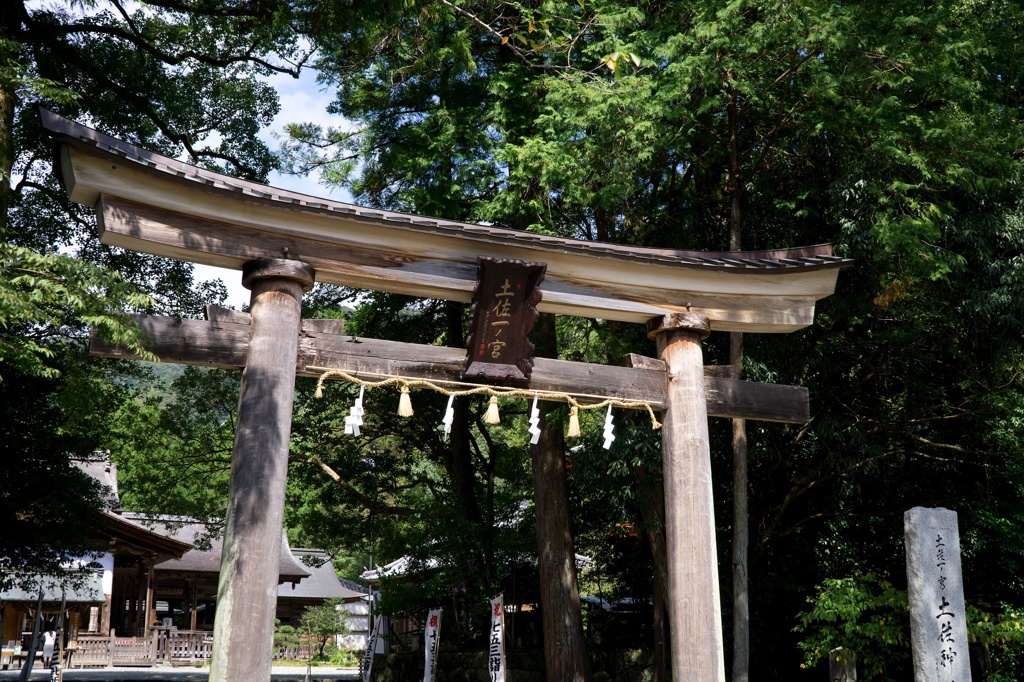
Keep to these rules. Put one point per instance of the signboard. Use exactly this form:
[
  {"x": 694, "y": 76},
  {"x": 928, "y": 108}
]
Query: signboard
[
  {"x": 431, "y": 638},
  {"x": 504, "y": 312},
  {"x": 496, "y": 641}
]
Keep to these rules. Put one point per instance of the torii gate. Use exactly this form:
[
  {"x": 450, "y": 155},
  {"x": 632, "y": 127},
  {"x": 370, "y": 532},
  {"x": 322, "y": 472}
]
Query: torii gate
[{"x": 283, "y": 240}]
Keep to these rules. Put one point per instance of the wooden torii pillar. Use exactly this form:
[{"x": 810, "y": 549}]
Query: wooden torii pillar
[
  {"x": 150, "y": 203},
  {"x": 247, "y": 584},
  {"x": 697, "y": 648}
]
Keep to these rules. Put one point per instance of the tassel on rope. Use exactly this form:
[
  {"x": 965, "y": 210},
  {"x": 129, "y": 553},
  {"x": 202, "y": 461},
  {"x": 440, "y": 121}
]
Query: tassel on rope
[
  {"x": 491, "y": 415},
  {"x": 405, "y": 403},
  {"x": 574, "y": 422},
  {"x": 319, "y": 392}
]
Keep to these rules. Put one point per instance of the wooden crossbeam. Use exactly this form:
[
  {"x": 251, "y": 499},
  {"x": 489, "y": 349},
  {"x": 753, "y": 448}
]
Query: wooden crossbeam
[{"x": 221, "y": 341}]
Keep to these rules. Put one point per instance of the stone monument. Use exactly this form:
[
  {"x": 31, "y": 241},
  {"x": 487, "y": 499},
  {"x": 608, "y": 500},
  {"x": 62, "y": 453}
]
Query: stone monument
[{"x": 938, "y": 621}]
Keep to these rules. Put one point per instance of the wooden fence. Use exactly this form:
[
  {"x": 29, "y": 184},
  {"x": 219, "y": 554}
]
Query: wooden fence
[
  {"x": 187, "y": 646},
  {"x": 175, "y": 647}
]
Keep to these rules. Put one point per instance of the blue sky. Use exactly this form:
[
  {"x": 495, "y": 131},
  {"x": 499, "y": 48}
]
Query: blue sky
[{"x": 302, "y": 100}]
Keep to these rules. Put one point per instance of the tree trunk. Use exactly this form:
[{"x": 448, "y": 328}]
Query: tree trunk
[
  {"x": 458, "y": 460},
  {"x": 651, "y": 491},
  {"x": 9, "y": 29},
  {"x": 740, "y": 531},
  {"x": 458, "y": 464},
  {"x": 6, "y": 148},
  {"x": 565, "y": 651}
]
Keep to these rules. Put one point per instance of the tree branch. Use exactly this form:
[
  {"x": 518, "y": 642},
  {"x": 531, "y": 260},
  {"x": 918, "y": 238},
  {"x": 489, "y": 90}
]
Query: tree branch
[
  {"x": 368, "y": 502},
  {"x": 43, "y": 33}
]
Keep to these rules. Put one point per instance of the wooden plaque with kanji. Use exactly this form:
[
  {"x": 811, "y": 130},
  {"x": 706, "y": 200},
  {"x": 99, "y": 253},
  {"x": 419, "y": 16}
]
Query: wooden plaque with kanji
[{"x": 504, "y": 312}]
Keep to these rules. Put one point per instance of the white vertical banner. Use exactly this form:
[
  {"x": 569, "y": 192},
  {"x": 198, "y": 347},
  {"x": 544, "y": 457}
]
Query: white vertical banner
[
  {"x": 106, "y": 560},
  {"x": 371, "y": 648},
  {"x": 431, "y": 638},
  {"x": 496, "y": 641}
]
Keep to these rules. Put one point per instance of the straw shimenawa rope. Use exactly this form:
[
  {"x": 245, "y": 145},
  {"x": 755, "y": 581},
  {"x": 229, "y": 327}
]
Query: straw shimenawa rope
[{"x": 491, "y": 417}]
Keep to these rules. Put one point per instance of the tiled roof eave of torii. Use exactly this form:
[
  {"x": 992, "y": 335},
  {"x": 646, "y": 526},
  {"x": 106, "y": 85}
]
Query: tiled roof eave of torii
[
  {"x": 576, "y": 269},
  {"x": 818, "y": 256}
]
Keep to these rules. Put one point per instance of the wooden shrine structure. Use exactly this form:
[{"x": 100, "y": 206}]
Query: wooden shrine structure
[{"x": 282, "y": 241}]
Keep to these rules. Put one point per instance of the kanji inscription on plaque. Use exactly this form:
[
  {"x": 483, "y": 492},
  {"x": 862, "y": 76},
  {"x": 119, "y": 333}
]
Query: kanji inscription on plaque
[{"x": 504, "y": 312}]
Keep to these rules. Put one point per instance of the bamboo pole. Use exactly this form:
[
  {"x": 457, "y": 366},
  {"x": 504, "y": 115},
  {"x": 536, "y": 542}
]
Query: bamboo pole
[
  {"x": 695, "y": 612},
  {"x": 247, "y": 588}
]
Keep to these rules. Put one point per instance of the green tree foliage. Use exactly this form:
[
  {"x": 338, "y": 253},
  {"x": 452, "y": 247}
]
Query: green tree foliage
[
  {"x": 414, "y": 81},
  {"x": 867, "y": 614},
  {"x": 48, "y": 505},
  {"x": 324, "y": 622},
  {"x": 891, "y": 128},
  {"x": 179, "y": 78},
  {"x": 286, "y": 638},
  {"x": 42, "y": 295},
  {"x": 173, "y": 450},
  {"x": 176, "y": 79}
]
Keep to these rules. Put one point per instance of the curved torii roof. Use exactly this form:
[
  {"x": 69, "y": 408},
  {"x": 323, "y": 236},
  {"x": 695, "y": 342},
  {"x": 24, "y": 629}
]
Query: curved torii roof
[{"x": 154, "y": 204}]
